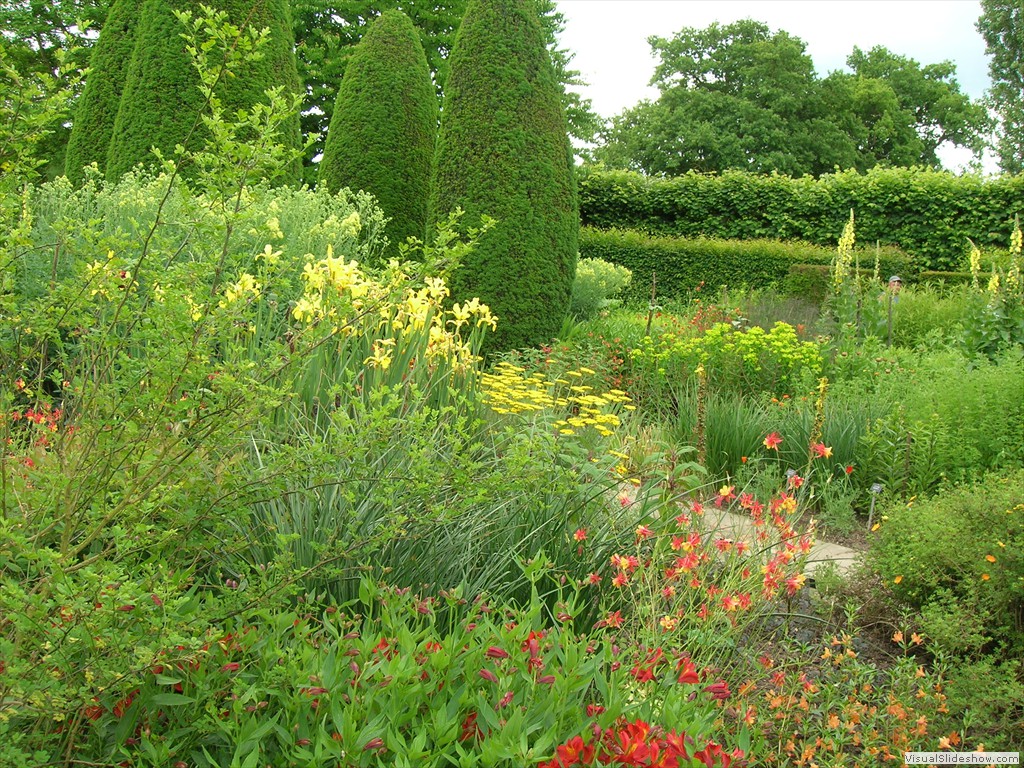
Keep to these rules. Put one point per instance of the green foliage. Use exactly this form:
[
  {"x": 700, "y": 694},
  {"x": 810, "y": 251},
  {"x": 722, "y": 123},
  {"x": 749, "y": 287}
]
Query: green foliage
[
  {"x": 595, "y": 285},
  {"x": 928, "y": 214},
  {"x": 93, "y": 125},
  {"x": 681, "y": 265},
  {"x": 969, "y": 594},
  {"x": 47, "y": 40},
  {"x": 503, "y": 152},
  {"x": 165, "y": 102},
  {"x": 29, "y": 104},
  {"x": 327, "y": 33},
  {"x": 946, "y": 419},
  {"x": 750, "y": 361},
  {"x": 1002, "y": 26},
  {"x": 738, "y": 96},
  {"x": 382, "y": 135},
  {"x": 899, "y": 112}
]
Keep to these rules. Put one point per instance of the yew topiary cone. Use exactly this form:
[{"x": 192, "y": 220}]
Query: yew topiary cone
[
  {"x": 161, "y": 105},
  {"x": 503, "y": 151},
  {"x": 381, "y": 138}
]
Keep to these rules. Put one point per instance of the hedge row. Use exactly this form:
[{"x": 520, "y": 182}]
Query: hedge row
[
  {"x": 682, "y": 264},
  {"x": 928, "y": 214}
]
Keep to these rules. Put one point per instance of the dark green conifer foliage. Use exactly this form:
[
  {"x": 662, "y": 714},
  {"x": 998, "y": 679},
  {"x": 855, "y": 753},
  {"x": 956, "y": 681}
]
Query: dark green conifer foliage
[
  {"x": 94, "y": 118},
  {"x": 503, "y": 151},
  {"x": 381, "y": 138},
  {"x": 161, "y": 103}
]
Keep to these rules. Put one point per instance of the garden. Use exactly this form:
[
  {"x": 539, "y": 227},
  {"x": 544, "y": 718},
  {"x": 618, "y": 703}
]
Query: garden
[{"x": 278, "y": 488}]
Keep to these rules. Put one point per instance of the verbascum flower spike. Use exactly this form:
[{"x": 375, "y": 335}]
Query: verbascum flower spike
[
  {"x": 975, "y": 263},
  {"x": 844, "y": 255}
]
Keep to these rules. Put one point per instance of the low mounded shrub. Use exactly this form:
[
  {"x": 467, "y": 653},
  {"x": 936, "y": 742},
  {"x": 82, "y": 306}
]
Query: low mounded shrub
[{"x": 596, "y": 283}]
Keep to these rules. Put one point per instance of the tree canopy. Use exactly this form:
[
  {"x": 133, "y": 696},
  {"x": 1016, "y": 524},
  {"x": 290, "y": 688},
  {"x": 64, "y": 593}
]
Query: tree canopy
[
  {"x": 1002, "y": 26},
  {"x": 739, "y": 96}
]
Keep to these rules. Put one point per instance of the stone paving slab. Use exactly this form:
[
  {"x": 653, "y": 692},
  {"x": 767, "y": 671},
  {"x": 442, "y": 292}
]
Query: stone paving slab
[{"x": 822, "y": 552}]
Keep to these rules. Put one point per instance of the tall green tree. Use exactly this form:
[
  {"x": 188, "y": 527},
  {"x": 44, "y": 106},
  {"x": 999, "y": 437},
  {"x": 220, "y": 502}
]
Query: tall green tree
[
  {"x": 732, "y": 96},
  {"x": 93, "y": 124},
  {"x": 1002, "y": 26},
  {"x": 503, "y": 151},
  {"x": 929, "y": 100},
  {"x": 382, "y": 134},
  {"x": 739, "y": 96},
  {"x": 327, "y": 32},
  {"x": 162, "y": 106}
]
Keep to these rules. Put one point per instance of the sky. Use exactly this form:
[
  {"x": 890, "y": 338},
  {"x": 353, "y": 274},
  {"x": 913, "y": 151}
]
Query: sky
[{"x": 609, "y": 39}]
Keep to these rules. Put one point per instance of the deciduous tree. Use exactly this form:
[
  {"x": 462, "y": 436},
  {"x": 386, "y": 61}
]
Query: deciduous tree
[
  {"x": 739, "y": 96},
  {"x": 1002, "y": 26}
]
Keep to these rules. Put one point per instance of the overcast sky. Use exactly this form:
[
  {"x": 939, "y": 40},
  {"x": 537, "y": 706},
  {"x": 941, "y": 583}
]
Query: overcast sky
[{"x": 609, "y": 37}]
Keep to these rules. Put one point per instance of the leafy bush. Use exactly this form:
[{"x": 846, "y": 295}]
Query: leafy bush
[
  {"x": 981, "y": 576},
  {"x": 928, "y": 214},
  {"x": 682, "y": 265},
  {"x": 596, "y": 282},
  {"x": 751, "y": 361},
  {"x": 965, "y": 599}
]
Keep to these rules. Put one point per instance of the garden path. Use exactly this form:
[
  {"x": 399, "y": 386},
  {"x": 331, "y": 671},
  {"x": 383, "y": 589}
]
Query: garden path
[{"x": 822, "y": 552}]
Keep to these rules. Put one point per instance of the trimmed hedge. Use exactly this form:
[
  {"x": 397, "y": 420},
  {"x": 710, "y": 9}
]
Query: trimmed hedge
[
  {"x": 681, "y": 264},
  {"x": 933, "y": 277},
  {"x": 928, "y": 214}
]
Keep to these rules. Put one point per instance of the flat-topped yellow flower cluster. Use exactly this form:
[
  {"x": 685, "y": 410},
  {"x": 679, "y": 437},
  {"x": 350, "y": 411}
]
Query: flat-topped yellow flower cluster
[{"x": 509, "y": 390}]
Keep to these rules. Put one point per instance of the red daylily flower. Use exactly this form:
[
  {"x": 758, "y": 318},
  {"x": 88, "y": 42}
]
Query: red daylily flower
[{"x": 821, "y": 450}]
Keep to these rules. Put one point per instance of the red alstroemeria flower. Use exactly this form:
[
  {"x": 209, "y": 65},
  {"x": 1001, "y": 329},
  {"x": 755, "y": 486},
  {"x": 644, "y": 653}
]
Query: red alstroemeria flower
[{"x": 773, "y": 441}]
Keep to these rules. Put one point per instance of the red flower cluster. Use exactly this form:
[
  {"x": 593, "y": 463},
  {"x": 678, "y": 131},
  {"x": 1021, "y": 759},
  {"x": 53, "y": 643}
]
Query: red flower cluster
[{"x": 639, "y": 744}]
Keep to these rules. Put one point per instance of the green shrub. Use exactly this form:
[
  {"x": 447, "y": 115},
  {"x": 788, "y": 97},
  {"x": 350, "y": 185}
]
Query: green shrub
[
  {"x": 953, "y": 562},
  {"x": 928, "y": 214},
  {"x": 596, "y": 282},
  {"x": 752, "y": 361},
  {"x": 933, "y": 277},
  {"x": 93, "y": 126},
  {"x": 381, "y": 138},
  {"x": 814, "y": 281},
  {"x": 929, "y": 314},
  {"x": 682, "y": 265},
  {"x": 503, "y": 151}
]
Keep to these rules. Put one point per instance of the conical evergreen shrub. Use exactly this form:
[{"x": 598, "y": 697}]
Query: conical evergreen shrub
[
  {"x": 381, "y": 138},
  {"x": 93, "y": 125},
  {"x": 161, "y": 103},
  {"x": 503, "y": 151}
]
